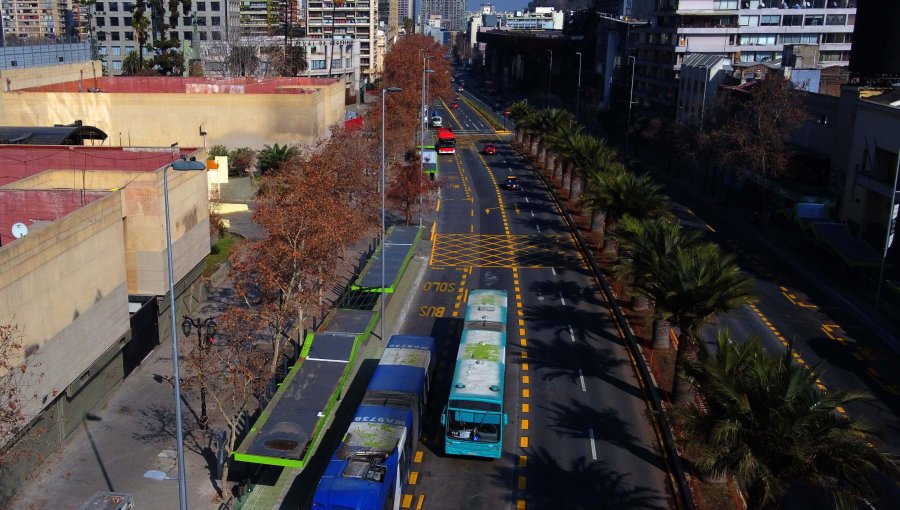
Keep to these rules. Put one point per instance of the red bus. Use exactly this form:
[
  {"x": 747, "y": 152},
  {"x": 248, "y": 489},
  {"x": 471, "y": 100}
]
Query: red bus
[{"x": 446, "y": 141}]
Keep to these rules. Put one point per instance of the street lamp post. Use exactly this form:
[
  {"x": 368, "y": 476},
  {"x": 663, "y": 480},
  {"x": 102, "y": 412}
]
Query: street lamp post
[
  {"x": 210, "y": 326},
  {"x": 578, "y": 93},
  {"x": 549, "y": 77},
  {"x": 383, "y": 227},
  {"x": 180, "y": 165},
  {"x": 425, "y": 72},
  {"x": 630, "y": 102}
]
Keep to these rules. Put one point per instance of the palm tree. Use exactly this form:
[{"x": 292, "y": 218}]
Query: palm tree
[
  {"x": 563, "y": 143},
  {"x": 691, "y": 286},
  {"x": 273, "y": 157},
  {"x": 555, "y": 121},
  {"x": 517, "y": 112},
  {"x": 767, "y": 423},
  {"x": 645, "y": 244},
  {"x": 594, "y": 155},
  {"x": 619, "y": 192}
]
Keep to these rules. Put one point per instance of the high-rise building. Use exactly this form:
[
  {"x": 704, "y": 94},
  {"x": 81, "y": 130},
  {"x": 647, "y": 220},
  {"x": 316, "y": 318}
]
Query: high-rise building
[
  {"x": 452, "y": 12},
  {"x": 355, "y": 19},
  {"x": 744, "y": 31},
  {"x": 405, "y": 10},
  {"x": 111, "y": 23},
  {"x": 33, "y": 19}
]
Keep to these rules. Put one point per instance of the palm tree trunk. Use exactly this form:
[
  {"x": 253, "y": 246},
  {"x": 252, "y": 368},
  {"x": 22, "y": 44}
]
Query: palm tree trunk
[
  {"x": 682, "y": 390},
  {"x": 609, "y": 244},
  {"x": 549, "y": 163},
  {"x": 660, "y": 333},
  {"x": 598, "y": 220},
  {"x": 520, "y": 135},
  {"x": 639, "y": 302},
  {"x": 542, "y": 157},
  {"x": 575, "y": 187},
  {"x": 535, "y": 145},
  {"x": 566, "y": 177},
  {"x": 558, "y": 166}
]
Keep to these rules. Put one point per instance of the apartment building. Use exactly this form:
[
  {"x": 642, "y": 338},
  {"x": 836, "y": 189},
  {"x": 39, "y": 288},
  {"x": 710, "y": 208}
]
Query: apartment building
[
  {"x": 452, "y": 13},
  {"x": 743, "y": 30},
  {"x": 111, "y": 24},
  {"x": 35, "y": 19},
  {"x": 260, "y": 18},
  {"x": 406, "y": 9},
  {"x": 355, "y": 19},
  {"x": 541, "y": 18}
]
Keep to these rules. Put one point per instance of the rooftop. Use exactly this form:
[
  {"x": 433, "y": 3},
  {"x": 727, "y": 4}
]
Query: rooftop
[{"x": 192, "y": 85}]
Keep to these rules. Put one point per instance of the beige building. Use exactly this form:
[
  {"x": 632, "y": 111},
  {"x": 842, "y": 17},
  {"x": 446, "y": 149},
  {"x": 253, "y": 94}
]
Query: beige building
[
  {"x": 159, "y": 111},
  {"x": 91, "y": 261},
  {"x": 30, "y": 18}
]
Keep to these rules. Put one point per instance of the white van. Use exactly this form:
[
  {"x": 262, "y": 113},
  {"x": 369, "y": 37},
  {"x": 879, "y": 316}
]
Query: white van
[{"x": 436, "y": 121}]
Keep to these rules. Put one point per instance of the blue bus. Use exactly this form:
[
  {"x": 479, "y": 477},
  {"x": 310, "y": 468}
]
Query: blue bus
[
  {"x": 473, "y": 418},
  {"x": 370, "y": 468}
]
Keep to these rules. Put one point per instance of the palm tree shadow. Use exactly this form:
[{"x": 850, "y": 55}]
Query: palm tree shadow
[
  {"x": 571, "y": 290},
  {"x": 583, "y": 484}
]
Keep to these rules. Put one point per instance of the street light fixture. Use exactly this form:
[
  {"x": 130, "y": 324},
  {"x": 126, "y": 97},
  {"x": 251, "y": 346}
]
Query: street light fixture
[
  {"x": 630, "y": 102},
  {"x": 549, "y": 77},
  {"x": 180, "y": 165},
  {"x": 210, "y": 326},
  {"x": 384, "y": 93},
  {"x": 578, "y": 93}
]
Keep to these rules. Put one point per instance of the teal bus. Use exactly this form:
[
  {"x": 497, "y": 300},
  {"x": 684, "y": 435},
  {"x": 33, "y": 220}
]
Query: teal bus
[{"x": 473, "y": 419}]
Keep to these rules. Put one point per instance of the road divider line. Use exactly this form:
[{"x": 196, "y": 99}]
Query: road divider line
[
  {"x": 581, "y": 377},
  {"x": 562, "y": 299},
  {"x": 593, "y": 446},
  {"x": 571, "y": 333}
]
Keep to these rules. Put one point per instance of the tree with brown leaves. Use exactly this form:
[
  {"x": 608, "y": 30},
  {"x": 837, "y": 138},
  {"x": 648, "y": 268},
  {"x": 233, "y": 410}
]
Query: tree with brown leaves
[
  {"x": 753, "y": 127},
  {"x": 406, "y": 188},
  {"x": 17, "y": 376}
]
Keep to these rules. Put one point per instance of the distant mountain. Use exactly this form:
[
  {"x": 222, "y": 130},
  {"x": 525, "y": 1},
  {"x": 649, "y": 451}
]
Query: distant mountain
[{"x": 563, "y": 5}]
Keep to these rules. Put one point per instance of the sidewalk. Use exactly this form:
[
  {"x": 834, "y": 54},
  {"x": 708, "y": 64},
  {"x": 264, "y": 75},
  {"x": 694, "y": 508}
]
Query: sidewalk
[{"x": 134, "y": 431}]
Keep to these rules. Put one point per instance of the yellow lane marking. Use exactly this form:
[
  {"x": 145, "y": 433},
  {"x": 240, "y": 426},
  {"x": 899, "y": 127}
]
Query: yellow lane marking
[
  {"x": 524, "y": 367},
  {"x": 520, "y": 504},
  {"x": 524, "y": 342},
  {"x": 524, "y": 355},
  {"x": 413, "y": 477},
  {"x": 420, "y": 502},
  {"x": 524, "y": 379},
  {"x": 526, "y": 407},
  {"x": 522, "y": 331},
  {"x": 438, "y": 207},
  {"x": 523, "y": 460},
  {"x": 407, "y": 501},
  {"x": 521, "y": 483},
  {"x": 521, "y": 322},
  {"x": 523, "y": 442},
  {"x": 524, "y": 424},
  {"x": 526, "y": 393},
  {"x": 418, "y": 457}
]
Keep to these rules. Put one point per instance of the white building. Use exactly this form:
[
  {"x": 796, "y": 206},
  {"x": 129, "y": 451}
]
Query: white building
[
  {"x": 542, "y": 18},
  {"x": 743, "y": 30},
  {"x": 111, "y": 23},
  {"x": 355, "y": 20},
  {"x": 701, "y": 75}
]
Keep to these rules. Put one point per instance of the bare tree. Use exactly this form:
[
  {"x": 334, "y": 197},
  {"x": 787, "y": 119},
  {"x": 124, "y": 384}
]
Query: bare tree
[{"x": 17, "y": 377}]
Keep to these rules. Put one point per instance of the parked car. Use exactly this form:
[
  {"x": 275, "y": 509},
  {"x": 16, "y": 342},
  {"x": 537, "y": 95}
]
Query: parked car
[
  {"x": 490, "y": 149},
  {"x": 512, "y": 183}
]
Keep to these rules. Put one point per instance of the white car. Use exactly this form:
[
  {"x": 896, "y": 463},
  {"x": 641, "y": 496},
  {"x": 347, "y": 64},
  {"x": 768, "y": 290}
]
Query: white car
[{"x": 437, "y": 121}]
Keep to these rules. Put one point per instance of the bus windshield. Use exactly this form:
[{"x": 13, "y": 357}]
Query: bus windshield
[{"x": 468, "y": 425}]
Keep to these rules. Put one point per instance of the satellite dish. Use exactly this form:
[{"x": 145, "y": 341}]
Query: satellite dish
[{"x": 19, "y": 230}]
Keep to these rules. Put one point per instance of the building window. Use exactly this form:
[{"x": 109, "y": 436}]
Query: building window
[
  {"x": 202, "y": 36},
  {"x": 113, "y": 7},
  {"x": 117, "y": 65},
  {"x": 834, "y": 56},
  {"x": 126, "y": 21},
  {"x": 216, "y": 6},
  {"x": 317, "y": 64},
  {"x": 836, "y": 19},
  {"x": 98, "y": 7},
  {"x": 127, "y": 6},
  {"x": 837, "y": 38},
  {"x": 101, "y": 22},
  {"x": 336, "y": 63},
  {"x": 114, "y": 22},
  {"x": 129, "y": 36},
  {"x": 115, "y": 36},
  {"x": 217, "y": 36},
  {"x": 769, "y": 21},
  {"x": 725, "y": 4},
  {"x": 748, "y": 21},
  {"x": 216, "y": 21},
  {"x": 201, "y": 6},
  {"x": 116, "y": 51},
  {"x": 810, "y": 21},
  {"x": 792, "y": 21},
  {"x": 101, "y": 36}
]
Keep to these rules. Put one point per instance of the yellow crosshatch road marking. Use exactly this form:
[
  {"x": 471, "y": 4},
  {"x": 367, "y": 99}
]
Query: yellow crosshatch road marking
[
  {"x": 418, "y": 457},
  {"x": 407, "y": 501},
  {"x": 495, "y": 250},
  {"x": 421, "y": 502},
  {"x": 413, "y": 477}
]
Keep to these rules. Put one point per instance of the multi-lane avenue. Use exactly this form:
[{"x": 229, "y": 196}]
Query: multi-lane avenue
[{"x": 579, "y": 433}]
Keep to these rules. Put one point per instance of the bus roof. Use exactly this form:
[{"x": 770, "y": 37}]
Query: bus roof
[
  {"x": 374, "y": 428},
  {"x": 397, "y": 378},
  {"x": 445, "y": 133},
  {"x": 479, "y": 365},
  {"x": 486, "y": 305}
]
